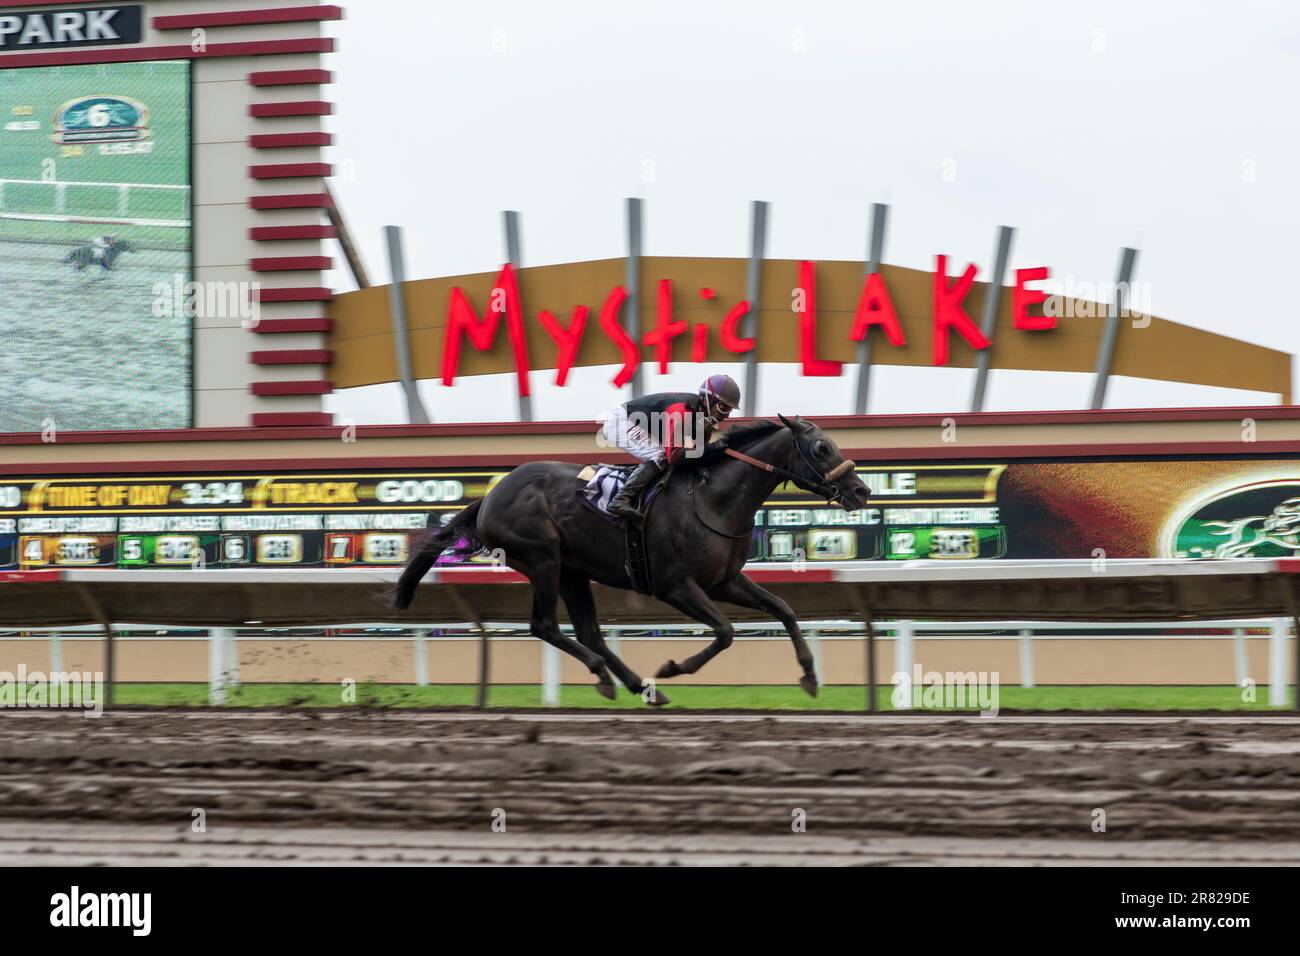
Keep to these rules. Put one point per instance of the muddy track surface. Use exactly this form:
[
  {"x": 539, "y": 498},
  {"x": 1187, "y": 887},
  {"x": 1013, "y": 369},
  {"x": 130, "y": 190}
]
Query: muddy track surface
[{"x": 1201, "y": 781}]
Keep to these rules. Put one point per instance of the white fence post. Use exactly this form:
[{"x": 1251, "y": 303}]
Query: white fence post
[
  {"x": 216, "y": 666},
  {"x": 1277, "y": 635},
  {"x": 1026, "y": 657},
  {"x": 815, "y": 645},
  {"x": 903, "y": 634},
  {"x": 56, "y": 652},
  {"x": 614, "y": 644},
  {"x": 1239, "y": 656},
  {"x": 550, "y": 675},
  {"x": 231, "y": 652},
  {"x": 421, "y": 638}
]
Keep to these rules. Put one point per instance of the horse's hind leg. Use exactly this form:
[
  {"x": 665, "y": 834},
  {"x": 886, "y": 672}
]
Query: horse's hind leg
[
  {"x": 741, "y": 591},
  {"x": 689, "y": 598},
  {"x": 545, "y": 626},
  {"x": 575, "y": 588}
]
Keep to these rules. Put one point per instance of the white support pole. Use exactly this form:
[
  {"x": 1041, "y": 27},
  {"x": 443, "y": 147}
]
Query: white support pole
[
  {"x": 612, "y": 641},
  {"x": 415, "y": 413},
  {"x": 632, "y": 282},
  {"x": 514, "y": 256},
  {"x": 56, "y": 652},
  {"x": 231, "y": 651},
  {"x": 815, "y": 645},
  {"x": 216, "y": 667},
  {"x": 1026, "y": 657},
  {"x": 1239, "y": 655},
  {"x": 550, "y": 675},
  {"x": 875, "y": 252},
  {"x": 421, "y": 638},
  {"x": 1277, "y": 636},
  {"x": 903, "y": 655},
  {"x": 753, "y": 288}
]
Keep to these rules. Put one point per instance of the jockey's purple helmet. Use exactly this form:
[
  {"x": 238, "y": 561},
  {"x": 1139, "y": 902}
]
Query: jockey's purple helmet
[{"x": 721, "y": 388}]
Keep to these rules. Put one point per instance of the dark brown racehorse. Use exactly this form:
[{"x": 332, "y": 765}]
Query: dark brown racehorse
[{"x": 697, "y": 540}]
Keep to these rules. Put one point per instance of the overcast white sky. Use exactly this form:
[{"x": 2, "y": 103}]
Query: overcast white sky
[{"x": 1166, "y": 125}]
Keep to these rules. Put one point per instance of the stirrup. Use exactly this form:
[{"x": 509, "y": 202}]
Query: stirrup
[
  {"x": 629, "y": 512},
  {"x": 625, "y": 506}
]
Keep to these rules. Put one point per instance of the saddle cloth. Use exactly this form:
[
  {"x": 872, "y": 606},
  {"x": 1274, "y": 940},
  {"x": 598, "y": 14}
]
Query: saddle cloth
[
  {"x": 602, "y": 484},
  {"x": 598, "y": 484}
]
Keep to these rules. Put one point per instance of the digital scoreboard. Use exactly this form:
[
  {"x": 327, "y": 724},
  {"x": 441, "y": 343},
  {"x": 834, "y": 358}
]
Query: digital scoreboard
[
  {"x": 319, "y": 520},
  {"x": 1120, "y": 508}
]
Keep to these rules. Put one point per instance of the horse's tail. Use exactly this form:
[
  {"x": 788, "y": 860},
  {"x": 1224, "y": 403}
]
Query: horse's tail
[{"x": 460, "y": 528}]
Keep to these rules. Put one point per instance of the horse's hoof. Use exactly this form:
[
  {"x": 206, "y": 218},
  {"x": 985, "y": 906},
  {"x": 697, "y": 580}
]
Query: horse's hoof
[
  {"x": 809, "y": 685},
  {"x": 657, "y": 698},
  {"x": 668, "y": 670},
  {"x": 606, "y": 689}
]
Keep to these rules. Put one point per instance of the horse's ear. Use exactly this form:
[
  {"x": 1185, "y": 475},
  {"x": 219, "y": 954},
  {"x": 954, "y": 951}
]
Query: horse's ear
[{"x": 786, "y": 422}]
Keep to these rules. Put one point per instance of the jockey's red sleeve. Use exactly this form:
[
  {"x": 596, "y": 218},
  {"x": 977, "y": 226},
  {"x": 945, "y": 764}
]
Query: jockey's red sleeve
[{"x": 675, "y": 421}]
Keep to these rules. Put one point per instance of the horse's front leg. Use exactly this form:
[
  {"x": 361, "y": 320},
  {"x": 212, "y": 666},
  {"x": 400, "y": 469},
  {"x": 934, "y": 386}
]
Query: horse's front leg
[
  {"x": 575, "y": 588},
  {"x": 742, "y": 591},
  {"x": 689, "y": 598}
]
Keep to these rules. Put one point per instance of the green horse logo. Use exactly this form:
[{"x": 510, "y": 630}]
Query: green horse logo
[{"x": 1253, "y": 521}]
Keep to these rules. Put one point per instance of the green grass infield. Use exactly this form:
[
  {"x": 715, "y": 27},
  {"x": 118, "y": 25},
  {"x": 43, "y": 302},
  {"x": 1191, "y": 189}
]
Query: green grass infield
[{"x": 684, "y": 697}]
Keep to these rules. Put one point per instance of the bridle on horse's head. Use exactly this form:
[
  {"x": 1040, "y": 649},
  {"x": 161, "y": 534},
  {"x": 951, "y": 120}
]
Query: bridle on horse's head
[{"x": 820, "y": 484}]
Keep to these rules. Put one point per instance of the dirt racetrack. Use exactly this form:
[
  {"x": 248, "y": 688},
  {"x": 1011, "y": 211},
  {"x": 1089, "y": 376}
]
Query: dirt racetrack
[{"x": 422, "y": 787}]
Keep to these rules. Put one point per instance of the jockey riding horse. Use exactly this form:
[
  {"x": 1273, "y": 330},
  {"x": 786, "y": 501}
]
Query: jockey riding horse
[
  {"x": 537, "y": 518},
  {"x": 102, "y": 251},
  {"x": 662, "y": 428}
]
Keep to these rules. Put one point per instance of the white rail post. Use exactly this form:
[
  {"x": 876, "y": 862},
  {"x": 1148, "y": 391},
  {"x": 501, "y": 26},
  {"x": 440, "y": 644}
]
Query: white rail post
[
  {"x": 216, "y": 667},
  {"x": 614, "y": 643},
  {"x": 1026, "y": 657},
  {"x": 230, "y": 649},
  {"x": 1277, "y": 635},
  {"x": 903, "y": 634},
  {"x": 1239, "y": 655},
  {"x": 421, "y": 638},
  {"x": 815, "y": 645},
  {"x": 56, "y": 652},
  {"x": 550, "y": 675}
]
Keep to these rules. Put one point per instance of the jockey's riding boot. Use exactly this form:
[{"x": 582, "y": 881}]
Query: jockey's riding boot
[{"x": 621, "y": 505}]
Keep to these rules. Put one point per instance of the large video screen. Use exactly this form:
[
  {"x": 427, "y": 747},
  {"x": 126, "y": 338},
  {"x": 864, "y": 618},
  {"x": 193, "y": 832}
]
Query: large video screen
[
  {"x": 1203, "y": 508},
  {"x": 95, "y": 247}
]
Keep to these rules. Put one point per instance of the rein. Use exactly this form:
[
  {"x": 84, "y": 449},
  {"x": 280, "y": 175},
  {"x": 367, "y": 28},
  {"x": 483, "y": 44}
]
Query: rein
[{"x": 823, "y": 483}]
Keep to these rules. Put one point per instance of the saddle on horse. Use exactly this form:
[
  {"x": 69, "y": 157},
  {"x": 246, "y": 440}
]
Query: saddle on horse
[{"x": 602, "y": 484}]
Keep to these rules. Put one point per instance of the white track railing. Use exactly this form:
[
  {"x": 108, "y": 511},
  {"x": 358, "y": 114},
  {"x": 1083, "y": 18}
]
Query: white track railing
[
  {"x": 122, "y": 203},
  {"x": 223, "y": 646}
]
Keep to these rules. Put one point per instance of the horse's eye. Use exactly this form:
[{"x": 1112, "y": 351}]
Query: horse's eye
[{"x": 820, "y": 449}]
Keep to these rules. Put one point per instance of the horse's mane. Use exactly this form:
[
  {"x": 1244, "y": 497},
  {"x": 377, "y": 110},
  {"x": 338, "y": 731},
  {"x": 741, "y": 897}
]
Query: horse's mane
[{"x": 741, "y": 437}]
